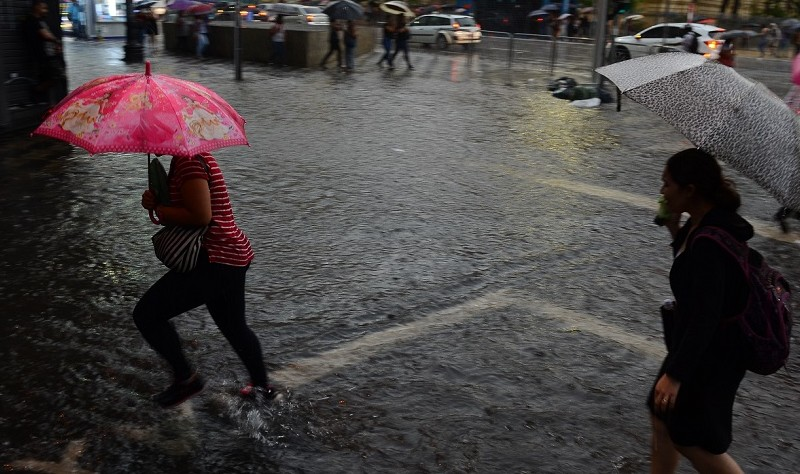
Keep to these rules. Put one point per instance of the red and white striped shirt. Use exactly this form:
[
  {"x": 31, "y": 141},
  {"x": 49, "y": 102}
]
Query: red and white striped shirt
[{"x": 224, "y": 241}]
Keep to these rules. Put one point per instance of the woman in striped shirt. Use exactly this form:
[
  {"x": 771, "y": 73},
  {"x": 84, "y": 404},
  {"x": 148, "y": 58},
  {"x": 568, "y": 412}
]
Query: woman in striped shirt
[{"x": 199, "y": 197}]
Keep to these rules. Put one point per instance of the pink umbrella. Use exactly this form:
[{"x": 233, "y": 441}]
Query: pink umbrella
[{"x": 144, "y": 113}]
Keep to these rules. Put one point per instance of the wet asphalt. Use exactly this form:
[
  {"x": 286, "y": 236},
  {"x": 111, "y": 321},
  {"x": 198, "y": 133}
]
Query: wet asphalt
[{"x": 457, "y": 270}]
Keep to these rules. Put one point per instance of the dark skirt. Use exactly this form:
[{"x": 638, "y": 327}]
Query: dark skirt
[{"x": 703, "y": 411}]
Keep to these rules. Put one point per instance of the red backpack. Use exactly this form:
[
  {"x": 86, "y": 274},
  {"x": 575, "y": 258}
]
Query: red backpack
[{"x": 766, "y": 321}]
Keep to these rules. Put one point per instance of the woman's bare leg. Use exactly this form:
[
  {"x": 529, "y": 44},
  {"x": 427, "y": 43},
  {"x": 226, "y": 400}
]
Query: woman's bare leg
[
  {"x": 664, "y": 458},
  {"x": 707, "y": 463}
]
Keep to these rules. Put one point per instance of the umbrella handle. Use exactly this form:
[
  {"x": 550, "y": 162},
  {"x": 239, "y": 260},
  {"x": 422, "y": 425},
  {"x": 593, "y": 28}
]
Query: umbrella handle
[{"x": 153, "y": 217}]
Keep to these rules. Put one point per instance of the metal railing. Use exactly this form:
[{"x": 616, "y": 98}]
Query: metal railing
[{"x": 537, "y": 49}]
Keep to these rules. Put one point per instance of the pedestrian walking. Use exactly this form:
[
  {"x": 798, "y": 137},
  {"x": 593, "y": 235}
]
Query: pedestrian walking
[
  {"x": 792, "y": 100},
  {"x": 184, "y": 28},
  {"x": 401, "y": 43},
  {"x": 45, "y": 50},
  {"x": 201, "y": 36},
  {"x": 334, "y": 45},
  {"x": 690, "y": 44},
  {"x": 278, "y": 37},
  {"x": 763, "y": 41},
  {"x": 151, "y": 27},
  {"x": 774, "y": 36},
  {"x": 350, "y": 39},
  {"x": 388, "y": 39},
  {"x": 199, "y": 197},
  {"x": 74, "y": 15},
  {"x": 691, "y": 402},
  {"x": 796, "y": 41}
]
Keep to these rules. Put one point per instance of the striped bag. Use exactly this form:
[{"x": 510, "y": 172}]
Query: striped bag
[{"x": 178, "y": 247}]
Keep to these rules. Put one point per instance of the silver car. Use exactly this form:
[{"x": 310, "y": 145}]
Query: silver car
[
  {"x": 293, "y": 14},
  {"x": 443, "y": 30},
  {"x": 666, "y": 37}
]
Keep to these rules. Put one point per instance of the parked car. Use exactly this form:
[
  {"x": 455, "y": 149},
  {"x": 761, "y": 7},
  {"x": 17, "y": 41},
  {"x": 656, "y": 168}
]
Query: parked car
[
  {"x": 666, "y": 37},
  {"x": 444, "y": 29},
  {"x": 293, "y": 14}
]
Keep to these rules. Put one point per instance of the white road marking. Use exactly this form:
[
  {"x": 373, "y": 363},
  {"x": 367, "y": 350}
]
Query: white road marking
[
  {"x": 763, "y": 228},
  {"x": 307, "y": 370}
]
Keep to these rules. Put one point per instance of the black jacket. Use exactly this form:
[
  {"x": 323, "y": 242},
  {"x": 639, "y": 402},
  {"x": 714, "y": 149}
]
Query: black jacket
[{"x": 709, "y": 288}]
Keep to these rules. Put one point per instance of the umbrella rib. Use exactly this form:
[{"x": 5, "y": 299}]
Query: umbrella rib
[{"x": 181, "y": 124}]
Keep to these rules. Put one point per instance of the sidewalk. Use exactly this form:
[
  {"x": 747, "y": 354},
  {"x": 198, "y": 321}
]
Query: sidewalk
[{"x": 751, "y": 58}]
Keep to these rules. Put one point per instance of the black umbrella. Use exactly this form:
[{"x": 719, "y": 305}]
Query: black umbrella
[
  {"x": 344, "y": 10},
  {"x": 732, "y": 34}
]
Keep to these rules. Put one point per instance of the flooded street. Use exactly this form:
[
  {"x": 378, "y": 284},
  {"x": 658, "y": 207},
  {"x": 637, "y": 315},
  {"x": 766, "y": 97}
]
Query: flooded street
[{"x": 454, "y": 273}]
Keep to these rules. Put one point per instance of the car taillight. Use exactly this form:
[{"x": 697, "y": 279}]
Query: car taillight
[
  {"x": 310, "y": 18},
  {"x": 456, "y": 25},
  {"x": 712, "y": 44}
]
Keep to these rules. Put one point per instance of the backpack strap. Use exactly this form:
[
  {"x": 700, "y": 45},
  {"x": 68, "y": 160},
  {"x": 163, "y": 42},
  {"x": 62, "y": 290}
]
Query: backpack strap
[{"x": 739, "y": 250}]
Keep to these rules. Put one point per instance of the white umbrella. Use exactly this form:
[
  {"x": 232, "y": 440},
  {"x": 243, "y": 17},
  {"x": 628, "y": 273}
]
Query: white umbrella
[
  {"x": 396, "y": 7},
  {"x": 738, "y": 121}
]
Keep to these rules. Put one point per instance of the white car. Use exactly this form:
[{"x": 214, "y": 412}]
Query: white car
[
  {"x": 293, "y": 14},
  {"x": 666, "y": 37},
  {"x": 443, "y": 30}
]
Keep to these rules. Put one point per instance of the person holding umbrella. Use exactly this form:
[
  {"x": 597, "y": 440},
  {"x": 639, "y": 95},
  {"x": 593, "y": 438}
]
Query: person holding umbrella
[
  {"x": 388, "y": 37},
  {"x": 401, "y": 43},
  {"x": 199, "y": 197},
  {"x": 691, "y": 402},
  {"x": 334, "y": 45},
  {"x": 192, "y": 196}
]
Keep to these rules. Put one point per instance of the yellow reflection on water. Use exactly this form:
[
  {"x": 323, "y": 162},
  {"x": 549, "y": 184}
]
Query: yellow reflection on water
[{"x": 553, "y": 124}]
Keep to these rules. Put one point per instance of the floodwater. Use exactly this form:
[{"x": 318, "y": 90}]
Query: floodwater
[{"x": 454, "y": 273}]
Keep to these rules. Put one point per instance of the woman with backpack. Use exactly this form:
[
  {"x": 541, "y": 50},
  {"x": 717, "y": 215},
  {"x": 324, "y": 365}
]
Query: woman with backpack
[{"x": 691, "y": 402}]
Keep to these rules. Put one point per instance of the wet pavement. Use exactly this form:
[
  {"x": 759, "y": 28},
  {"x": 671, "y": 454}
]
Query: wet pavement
[{"x": 456, "y": 272}]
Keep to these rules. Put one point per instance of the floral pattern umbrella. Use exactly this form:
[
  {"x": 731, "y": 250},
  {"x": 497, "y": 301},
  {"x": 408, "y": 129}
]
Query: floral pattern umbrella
[{"x": 144, "y": 113}]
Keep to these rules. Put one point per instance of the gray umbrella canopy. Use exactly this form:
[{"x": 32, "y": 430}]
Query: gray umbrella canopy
[{"x": 738, "y": 121}]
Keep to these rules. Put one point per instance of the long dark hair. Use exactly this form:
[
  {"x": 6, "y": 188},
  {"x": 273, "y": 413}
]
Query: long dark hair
[{"x": 698, "y": 168}]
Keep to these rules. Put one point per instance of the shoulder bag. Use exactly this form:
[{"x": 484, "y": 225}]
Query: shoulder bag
[{"x": 178, "y": 247}]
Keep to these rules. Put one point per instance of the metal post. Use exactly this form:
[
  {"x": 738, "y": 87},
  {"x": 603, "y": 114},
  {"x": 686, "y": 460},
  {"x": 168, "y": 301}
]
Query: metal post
[
  {"x": 237, "y": 44},
  {"x": 510, "y": 58},
  {"x": 601, "y": 12},
  {"x": 134, "y": 50}
]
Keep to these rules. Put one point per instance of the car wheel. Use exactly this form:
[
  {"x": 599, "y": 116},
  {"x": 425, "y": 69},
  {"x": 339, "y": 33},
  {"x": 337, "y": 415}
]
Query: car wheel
[
  {"x": 621, "y": 53},
  {"x": 441, "y": 42}
]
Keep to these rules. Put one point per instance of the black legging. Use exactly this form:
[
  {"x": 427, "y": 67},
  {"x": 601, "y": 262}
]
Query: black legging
[
  {"x": 221, "y": 289},
  {"x": 401, "y": 45},
  {"x": 334, "y": 48}
]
